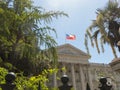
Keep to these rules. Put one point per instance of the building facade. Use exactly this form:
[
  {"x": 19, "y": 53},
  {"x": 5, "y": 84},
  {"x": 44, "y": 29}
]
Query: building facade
[{"x": 80, "y": 71}]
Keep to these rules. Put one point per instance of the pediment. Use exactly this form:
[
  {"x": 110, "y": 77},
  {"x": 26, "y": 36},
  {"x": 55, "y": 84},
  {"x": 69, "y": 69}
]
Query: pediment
[{"x": 68, "y": 49}]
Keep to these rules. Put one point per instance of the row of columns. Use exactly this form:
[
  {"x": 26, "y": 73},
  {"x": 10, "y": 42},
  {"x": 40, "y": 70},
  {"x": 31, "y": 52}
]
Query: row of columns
[{"x": 82, "y": 77}]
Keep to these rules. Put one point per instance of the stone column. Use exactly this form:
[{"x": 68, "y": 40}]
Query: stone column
[
  {"x": 73, "y": 76},
  {"x": 90, "y": 79},
  {"x": 55, "y": 80},
  {"x": 83, "y": 86}
]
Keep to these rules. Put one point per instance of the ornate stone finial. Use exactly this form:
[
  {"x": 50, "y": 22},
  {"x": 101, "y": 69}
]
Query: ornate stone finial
[
  {"x": 65, "y": 86},
  {"x": 104, "y": 85},
  {"x": 10, "y": 77},
  {"x": 9, "y": 85}
]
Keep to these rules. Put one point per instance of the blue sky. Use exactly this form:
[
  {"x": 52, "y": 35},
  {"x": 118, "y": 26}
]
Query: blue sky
[{"x": 81, "y": 13}]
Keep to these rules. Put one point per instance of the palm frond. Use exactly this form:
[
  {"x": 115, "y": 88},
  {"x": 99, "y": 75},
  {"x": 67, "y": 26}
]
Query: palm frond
[
  {"x": 96, "y": 43},
  {"x": 48, "y": 16},
  {"x": 102, "y": 43},
  {"x": 86, "y": 43},
  {"x": 113, "y": 49},
  {"x": 102, "y": 27}
]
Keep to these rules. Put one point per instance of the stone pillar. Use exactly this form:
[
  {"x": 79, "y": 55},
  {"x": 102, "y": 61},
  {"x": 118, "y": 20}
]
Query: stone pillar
[
  {"x": 83, "y": 86},
  {"x": 90, "y": 79},
  {"x": 73, "y": 76},
  {"x": 55, "y": 80}
]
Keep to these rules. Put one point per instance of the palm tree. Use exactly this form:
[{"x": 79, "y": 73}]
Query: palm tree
[{"x": 105, "y": 29}]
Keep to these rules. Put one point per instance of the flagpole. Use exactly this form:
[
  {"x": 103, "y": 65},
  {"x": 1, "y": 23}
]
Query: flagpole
[{"x": 65, "y": 38}]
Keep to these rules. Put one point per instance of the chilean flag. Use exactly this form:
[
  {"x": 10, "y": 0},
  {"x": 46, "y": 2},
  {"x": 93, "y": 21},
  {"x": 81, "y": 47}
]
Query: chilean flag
[{"x": 70, "y": 37}]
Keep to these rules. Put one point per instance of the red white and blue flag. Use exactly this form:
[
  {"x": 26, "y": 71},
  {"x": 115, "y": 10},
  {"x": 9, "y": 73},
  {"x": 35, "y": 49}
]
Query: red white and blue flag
[{"x": 70, "y": 37}]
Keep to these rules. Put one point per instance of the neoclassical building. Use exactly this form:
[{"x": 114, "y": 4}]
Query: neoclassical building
[{"x": 80, "y": 71}]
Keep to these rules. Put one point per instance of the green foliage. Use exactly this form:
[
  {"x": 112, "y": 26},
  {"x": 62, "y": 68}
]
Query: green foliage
[
  {"x": 8, "y": 66},
  {"x": 26, "y": 43},
  {"x": 25, "y": 32},
  {"x": 32, "y": 83},
  {"x": 29, "y": 83},
  {"x": 3, "y": 72}
]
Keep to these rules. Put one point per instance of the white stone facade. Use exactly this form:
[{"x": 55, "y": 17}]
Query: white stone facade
[{"x": 80, "y": 71}]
